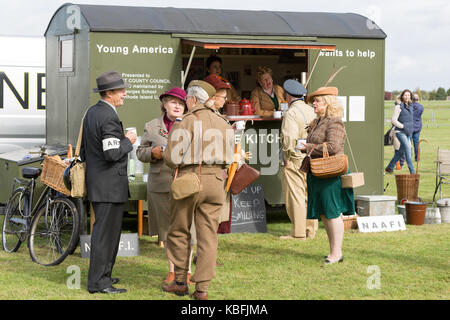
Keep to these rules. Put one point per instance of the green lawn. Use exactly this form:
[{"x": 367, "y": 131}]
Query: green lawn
[{"x": 413, "y": 264}]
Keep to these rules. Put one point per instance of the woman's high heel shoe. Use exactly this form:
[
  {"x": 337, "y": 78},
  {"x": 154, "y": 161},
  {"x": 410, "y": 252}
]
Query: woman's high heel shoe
[{"x": 328, "y": 261}]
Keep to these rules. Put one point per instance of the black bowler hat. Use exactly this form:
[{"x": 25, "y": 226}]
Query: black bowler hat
[
  {"x": 110, "y": 80},
  {"x": 294, "y": 88}
]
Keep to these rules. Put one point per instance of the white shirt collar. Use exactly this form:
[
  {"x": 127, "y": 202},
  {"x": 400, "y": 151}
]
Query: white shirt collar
[{"x": 114, "y": 108}]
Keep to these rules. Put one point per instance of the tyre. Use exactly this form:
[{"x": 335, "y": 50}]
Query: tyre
[
  {"x": 14, "y": 229},
  {"x": 54, "y": 232}
]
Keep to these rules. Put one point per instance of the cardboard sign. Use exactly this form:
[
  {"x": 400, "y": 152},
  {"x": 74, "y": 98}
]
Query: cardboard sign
[
  {"x": 128, "y": 245},
  {"x": 381, "y": 223},
  {"x": 249, "y": 210}
]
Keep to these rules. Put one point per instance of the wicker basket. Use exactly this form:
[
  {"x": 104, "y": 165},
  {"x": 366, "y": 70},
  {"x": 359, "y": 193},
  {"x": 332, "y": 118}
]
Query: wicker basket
[
  {"x": 328, "y": 166},
  {"x": 350, "y": 222},
  {"x": 407, "y": 187},
  {"x": 52, "y": 174}
]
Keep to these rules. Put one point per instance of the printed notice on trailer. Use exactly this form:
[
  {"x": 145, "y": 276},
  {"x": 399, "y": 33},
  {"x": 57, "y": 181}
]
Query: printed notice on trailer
[
  {"x": 144, "y": 86},
  {"x": 356, "y": 108}
]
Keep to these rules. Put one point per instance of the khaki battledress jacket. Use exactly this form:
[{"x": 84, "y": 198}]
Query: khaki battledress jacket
[
  {"x": 294, "y": 127},
  {"x": 185, "y": 151}
]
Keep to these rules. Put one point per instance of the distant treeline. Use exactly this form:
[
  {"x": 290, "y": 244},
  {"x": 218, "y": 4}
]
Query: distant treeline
[{"x": 439, "y": 94}]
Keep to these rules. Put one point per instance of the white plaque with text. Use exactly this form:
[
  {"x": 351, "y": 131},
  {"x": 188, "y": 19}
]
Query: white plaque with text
[{"x": 381, "y": 223}]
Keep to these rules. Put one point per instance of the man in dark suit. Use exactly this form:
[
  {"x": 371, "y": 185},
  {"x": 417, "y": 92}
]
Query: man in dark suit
[{"x": 105, "y": 149}]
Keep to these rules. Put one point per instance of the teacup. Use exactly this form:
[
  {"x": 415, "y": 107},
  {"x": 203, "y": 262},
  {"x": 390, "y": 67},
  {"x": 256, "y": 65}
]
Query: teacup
[{"x": 277, "y": 114}]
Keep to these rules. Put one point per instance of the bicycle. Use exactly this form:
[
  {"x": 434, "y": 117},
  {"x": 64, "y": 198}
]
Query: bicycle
[{"x": 52, "y": 224}]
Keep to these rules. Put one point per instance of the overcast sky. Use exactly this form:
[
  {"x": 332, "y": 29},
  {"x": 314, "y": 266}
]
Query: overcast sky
[{"x": 417, "y": 43}]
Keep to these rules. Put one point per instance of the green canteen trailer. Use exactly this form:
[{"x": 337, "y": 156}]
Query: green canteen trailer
[{"x": 158, "y": 48}]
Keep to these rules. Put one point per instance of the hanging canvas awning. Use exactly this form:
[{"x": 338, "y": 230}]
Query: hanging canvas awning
[{"x": 257, "y": 43}]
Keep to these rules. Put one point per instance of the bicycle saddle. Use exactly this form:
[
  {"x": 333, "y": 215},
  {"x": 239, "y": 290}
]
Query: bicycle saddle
[{"x": 31, "y": 172}]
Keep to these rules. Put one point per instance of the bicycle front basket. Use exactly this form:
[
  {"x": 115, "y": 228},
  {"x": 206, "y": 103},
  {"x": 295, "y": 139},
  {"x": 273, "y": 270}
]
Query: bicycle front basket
[{"x": 52, "y": 174}]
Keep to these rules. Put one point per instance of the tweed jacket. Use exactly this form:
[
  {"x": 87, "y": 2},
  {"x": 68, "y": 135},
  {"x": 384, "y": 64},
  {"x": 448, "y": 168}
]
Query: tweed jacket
[
  {"x": 330, "y": 130},
  {"x": 293, "y": 127},
  {"x": 159, "y": 175},
  {"x": 263, "y": 103}
]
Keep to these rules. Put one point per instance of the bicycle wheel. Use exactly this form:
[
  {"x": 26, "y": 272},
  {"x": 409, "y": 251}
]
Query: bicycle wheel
[
  {"x": 54, "y": 232},
  {"x": 14, "y": 228}
]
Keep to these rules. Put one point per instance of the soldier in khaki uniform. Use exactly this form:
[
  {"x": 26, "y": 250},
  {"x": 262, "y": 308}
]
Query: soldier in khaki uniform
[
  {"x": 215, "y": 153},
  {"x": 293, "y": 127}
]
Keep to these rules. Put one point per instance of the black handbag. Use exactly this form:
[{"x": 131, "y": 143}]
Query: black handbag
[{"x": 388, "y": 139}]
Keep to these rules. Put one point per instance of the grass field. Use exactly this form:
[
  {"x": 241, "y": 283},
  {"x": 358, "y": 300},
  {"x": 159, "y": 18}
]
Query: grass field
[{"x": 412, "y": 264}]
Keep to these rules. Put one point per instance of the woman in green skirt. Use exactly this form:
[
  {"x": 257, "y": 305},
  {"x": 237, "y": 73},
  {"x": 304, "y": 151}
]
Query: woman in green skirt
[{"x": 326, "y": 198}]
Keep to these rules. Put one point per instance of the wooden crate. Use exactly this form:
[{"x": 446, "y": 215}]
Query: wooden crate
[{"x": 350, "y": 222}]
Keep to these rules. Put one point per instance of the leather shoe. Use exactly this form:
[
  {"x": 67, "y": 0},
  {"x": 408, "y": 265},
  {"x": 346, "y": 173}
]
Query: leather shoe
[
  {"x": 389, "y": 171},
  {"x": 115, "y": 280},
  {"x": 199, "y": 295},
  {"x": 328, "y": 261},
  {"x": 108, "y": 290},
  {"x": 173, "y": 287}
]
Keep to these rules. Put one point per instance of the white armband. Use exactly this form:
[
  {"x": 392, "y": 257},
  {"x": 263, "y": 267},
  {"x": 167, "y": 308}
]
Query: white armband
[{"x": 111, "y": 143}]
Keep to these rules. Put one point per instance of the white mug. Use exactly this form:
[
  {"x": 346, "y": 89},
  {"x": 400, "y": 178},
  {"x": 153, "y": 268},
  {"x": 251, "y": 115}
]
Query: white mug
[
  {"x": 240, "y": 125},
  {"x": 277, "y": 114},
  {"x": 301, "y": 143}
]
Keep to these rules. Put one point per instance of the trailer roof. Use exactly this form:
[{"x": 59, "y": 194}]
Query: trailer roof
[{"x": 227, "y": 22}]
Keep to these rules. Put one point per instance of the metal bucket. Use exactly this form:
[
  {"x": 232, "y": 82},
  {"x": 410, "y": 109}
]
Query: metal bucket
[
  {"x": 415, "y": 212},
  {"x": 432, "y": 216},
  {"x": 401, "y": 210},
  {"x": 444, "y": 209}
]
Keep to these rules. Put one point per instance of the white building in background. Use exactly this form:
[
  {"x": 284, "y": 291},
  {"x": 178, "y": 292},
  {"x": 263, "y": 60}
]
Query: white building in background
[{"x": 22, "y": 92}]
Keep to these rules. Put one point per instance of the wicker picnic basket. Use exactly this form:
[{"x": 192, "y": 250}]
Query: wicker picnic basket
[
  {"x": 350, "y": 222},
  {"x": 52, "y": 174}
]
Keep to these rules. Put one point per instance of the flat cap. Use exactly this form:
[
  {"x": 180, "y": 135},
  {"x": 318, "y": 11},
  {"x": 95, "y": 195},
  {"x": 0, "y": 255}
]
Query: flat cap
[
  {"x": 210, "y": 90},
  {"x": 294, "y": 88}
]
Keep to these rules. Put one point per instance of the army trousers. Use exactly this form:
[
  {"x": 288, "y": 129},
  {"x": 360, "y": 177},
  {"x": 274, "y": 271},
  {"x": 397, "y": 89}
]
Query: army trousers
[
  {"x": 296, "y": 200},
  {"x": 205, "y": 207}
]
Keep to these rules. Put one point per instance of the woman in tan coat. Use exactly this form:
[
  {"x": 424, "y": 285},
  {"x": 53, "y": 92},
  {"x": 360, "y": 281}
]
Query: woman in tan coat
[
  {"x": 267, "y": 96},
  {"x": 153, "y": 143}
]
